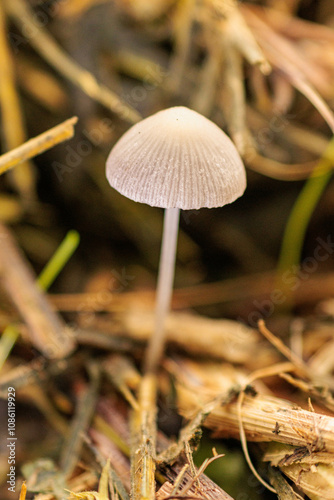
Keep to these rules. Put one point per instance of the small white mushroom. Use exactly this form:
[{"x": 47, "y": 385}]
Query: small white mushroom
[{"x": 175, "y": 159}]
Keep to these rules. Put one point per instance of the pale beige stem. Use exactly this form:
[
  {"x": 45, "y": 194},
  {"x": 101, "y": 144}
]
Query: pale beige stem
[{"x": 165, "y": 288}]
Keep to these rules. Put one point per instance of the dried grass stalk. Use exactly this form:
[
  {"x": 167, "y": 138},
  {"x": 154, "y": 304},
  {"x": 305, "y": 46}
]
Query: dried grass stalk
[{"x": 265, "y": 418}]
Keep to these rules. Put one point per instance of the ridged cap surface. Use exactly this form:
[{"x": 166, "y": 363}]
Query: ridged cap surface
[{"x": 177, "y": 158}]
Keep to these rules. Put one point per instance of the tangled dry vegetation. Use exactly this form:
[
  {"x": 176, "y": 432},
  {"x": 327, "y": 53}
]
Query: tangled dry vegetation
[{"x": 264, "y": 72}]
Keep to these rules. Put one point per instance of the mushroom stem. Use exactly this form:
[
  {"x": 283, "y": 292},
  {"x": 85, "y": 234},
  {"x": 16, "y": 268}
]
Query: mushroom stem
[{"x": 164, "y": 287}]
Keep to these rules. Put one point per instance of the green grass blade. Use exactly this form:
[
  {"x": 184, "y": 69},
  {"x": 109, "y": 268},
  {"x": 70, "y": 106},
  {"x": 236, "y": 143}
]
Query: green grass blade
[
  {"x": 7, "y": 342},
  {"x": 58, "y": 260},
  {"x": 301, "y": 213}
]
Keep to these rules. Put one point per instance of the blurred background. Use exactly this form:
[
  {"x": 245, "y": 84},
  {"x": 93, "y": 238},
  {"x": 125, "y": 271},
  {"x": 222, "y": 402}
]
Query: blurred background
[{"x": 262, "y": 70}]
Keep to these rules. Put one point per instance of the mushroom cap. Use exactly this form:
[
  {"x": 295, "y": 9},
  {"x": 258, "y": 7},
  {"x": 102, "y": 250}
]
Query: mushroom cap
[{"x": 177, "y": 158}]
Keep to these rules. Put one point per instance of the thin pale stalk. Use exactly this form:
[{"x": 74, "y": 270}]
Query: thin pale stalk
[{"x": 165, "y": 287}]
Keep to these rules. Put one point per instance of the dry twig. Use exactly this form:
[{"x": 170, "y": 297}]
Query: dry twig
[
  {"x": 38, "y": 144},
  {"x": 12, "y": 121}
]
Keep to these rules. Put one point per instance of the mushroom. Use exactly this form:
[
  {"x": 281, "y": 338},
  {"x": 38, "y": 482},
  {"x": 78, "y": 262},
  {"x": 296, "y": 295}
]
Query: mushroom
[{"x": 175, "y": 159}]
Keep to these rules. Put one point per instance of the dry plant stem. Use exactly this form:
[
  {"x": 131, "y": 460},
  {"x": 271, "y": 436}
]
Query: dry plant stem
[
  {"x": 38, "y": 144},
  {"x": 294, "y": 27},
  {"x": 204, "y": 97},
  {"x": 264, "y": 418},
  {"x": 244, "y": 41},
  {"x": 277, "y": 170},
  {"x": 83, "y": 416},
  {"x": 119, "y": 439},
  {"x": 122, "y": 374},
  {"x": 183, "y": 20},
  {"x": 283, "y": 349},
  {"x": 210, "y": 293},
  {"x": 312, "y": 95},
  {"x": 322, "y": 394},
  {"x": 262, "y": 415},
  {"x": 189, "y": 431},
  {"x": 314, "y": 289},
  {"x": 322, "y": 361},
  {"x": 139, "y": 67},
  {"x": 307, "y": 139},
  {"x": 32, "y": 373},
  {"x": 41, "y": 86},
  {"x": 46, "y": 330},
  {"x": 12, "y": 122},
  {"x": 282, "y": 487},
  {"x": 143, "y": 441},
  {"x": 208, "y": 489},
  {"x": 128, "y": 330},
  {"x": 119, "y": 470},
  {"x": 284, "y": 56},
  {"x": 165, "y": 287},
  {"x": 298, "y": 135},
  {"x": 260, "y": 91},
  {"x": 56, "y": 57},
  {"x": 197, "y": 473},
  {"x": 310, "y": 291},
  {"x": 260, "y": 373},
  {"x": 234, "y": 102},
  {"x": 20, "y": 376},
  {"x": 36, "y": 396},
  {"x": 179, "y": 479}
]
